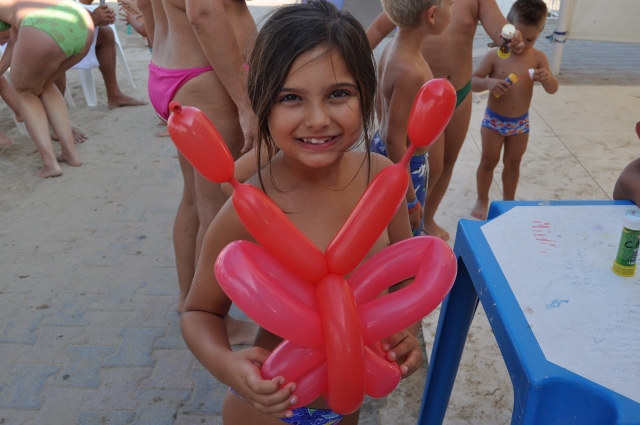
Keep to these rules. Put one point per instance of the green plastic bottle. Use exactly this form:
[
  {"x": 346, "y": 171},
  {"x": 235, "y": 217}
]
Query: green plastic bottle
[{"x": 625, "y": 262}]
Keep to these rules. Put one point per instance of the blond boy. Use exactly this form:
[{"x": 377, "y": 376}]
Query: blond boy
[{"x": 402, "y": 70}]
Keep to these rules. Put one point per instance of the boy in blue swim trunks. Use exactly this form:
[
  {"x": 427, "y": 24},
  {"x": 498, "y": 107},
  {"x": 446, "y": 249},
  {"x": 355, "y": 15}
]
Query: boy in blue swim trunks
[
  {"x": 506, "y": 119},
  {"x": 402, "y": 70}
]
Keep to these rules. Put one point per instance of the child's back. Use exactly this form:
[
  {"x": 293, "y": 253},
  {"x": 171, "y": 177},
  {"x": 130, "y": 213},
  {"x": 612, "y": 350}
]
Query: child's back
[{"x": 402, "y": 70}]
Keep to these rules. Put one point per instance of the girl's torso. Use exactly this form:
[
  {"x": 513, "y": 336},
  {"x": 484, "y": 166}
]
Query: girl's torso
[{"x": 305, "y": 204}]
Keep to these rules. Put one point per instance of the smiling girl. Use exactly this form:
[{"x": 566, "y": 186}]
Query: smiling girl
[{"x": 311, "y": 83}]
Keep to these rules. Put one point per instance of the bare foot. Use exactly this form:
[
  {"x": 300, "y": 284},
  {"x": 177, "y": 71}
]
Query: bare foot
[
  {"x": 78, "y": 135},
  {"x": 162, "y": 133},
  {"x": 123, "y": 100},
  {"x": 71, "y": 159},
  {"x": 241, "y": 332},
  {"x": 479, "y": 211},
  {"x": 53, "y": 171},
  {"x": 5, "y": 140},
  {"x": 431, "y": 228}
]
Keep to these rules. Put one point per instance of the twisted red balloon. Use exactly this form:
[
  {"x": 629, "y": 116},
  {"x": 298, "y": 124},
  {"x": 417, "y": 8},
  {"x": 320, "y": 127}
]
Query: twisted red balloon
[{"x": 331, "y": 326}]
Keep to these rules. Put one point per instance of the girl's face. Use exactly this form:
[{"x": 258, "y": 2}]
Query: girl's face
[{"x": 316, "y": 116}]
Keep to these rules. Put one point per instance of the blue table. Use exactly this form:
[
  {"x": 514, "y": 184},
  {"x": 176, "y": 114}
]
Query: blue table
[{"x": 567, "y": 327}]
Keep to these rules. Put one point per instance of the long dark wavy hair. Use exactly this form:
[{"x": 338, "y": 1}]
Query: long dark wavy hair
[{"x": 292, "y": 30}]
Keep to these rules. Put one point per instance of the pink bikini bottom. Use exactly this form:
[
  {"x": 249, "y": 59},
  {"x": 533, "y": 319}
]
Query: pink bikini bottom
[{"x": 164, "y": 83}]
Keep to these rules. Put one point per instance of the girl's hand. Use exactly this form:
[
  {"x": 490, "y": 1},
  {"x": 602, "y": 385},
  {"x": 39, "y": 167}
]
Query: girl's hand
[
  {"x": 541, "y": 75},
  {"x": 404, "y": 348},
  {"x": 264, "y": 395},
  {"x": 497, "y": 87}
]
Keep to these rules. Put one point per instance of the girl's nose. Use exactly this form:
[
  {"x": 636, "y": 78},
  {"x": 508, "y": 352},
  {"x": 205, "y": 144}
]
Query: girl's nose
[{"x": 317, "y": 116}]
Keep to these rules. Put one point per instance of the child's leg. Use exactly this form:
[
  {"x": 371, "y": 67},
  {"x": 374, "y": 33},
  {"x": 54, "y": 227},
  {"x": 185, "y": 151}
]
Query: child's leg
[
  {"x": 58, "y": 116},
  {"x": 185, "y": 231},
  {"x": 454, "y": 136},
  {"x": 29, "y": 81},
  {"x": 492, "y": 142},
  {"x": 36, "y": 63},
  {"x": 514, "y": 148}
]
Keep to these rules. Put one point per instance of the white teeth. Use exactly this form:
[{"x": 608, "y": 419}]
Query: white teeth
[{"x": 316, "y": 141}]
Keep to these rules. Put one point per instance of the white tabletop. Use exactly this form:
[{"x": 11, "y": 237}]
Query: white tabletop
[{"x": 557, "y": 260}]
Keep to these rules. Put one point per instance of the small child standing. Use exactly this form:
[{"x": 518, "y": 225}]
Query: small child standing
[
  {"x": 402, "y": 71},
  {"x": 506, "y": 119},
  {"x": 311, "y": 83}
]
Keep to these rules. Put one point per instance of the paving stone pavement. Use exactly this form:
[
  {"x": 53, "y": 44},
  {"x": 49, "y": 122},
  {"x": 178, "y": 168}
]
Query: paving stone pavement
[{"x": 88, "y": 328}]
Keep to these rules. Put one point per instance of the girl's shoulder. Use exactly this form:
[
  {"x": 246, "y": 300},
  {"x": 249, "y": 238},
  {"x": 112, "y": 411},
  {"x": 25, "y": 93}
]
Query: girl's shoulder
[{"x": 371, "y": 165}]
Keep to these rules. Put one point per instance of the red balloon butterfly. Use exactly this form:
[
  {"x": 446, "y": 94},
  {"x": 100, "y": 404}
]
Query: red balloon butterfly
[{"x": 331, "y": 326}]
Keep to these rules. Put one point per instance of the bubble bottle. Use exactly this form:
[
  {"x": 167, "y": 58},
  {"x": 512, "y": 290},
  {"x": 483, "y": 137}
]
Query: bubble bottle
[
  {"x": 625, "y": 262},
  {"x": 511, "y": 78},
  {"x": 508, "y": 31}
]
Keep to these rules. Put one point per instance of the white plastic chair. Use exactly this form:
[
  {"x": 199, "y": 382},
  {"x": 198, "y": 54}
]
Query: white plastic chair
[{"x": 85, "y": 67}]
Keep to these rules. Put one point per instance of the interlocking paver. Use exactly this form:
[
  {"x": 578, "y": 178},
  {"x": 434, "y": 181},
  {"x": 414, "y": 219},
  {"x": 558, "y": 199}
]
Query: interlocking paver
[
  {"x": 84, "y": 366},
  {"x": 136, "y": 347},
  {"x": 160, "y": 407},
  {"x": 23, "y": 392}
]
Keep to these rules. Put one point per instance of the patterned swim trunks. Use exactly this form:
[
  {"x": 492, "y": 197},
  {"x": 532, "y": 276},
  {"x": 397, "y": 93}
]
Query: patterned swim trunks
[{"x": 506, "y": 126}]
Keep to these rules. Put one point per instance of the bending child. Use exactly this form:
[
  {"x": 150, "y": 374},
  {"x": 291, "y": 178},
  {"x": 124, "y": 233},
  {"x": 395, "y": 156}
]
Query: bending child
[
  {"x": 402, "y": 71},
  {"x": 311, "y": 83},
  {"x": 38, "y": 55},
  {"x": 506, "y": 119}
]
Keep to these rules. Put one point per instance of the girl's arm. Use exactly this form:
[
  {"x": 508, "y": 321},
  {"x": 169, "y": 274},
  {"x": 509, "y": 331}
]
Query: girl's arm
[
  {"x": 205, "y": 332},
  {"x": 404, "y": 91},
  {"x": 543, "y": 74}
]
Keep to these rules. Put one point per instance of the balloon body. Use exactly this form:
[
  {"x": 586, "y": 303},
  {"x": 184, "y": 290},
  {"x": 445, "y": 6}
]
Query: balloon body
[
  {"x": 284, "y": 304},
  {"x": 275, "y": 232},
  {"x": 199, "y": 141},
  {"x": 431, "y": 111},
  {"x": 370, "y": 217},
  {"x": 331, "y": 326},
  {"x": 343, "y": 341}
]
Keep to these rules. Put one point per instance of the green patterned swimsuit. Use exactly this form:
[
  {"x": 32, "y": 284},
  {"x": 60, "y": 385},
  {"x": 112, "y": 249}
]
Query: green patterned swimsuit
[{"x": 64, "y": 22}]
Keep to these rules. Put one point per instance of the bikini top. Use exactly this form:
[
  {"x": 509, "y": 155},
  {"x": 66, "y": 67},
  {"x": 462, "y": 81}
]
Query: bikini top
[{"x": 4, "y": 26}]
